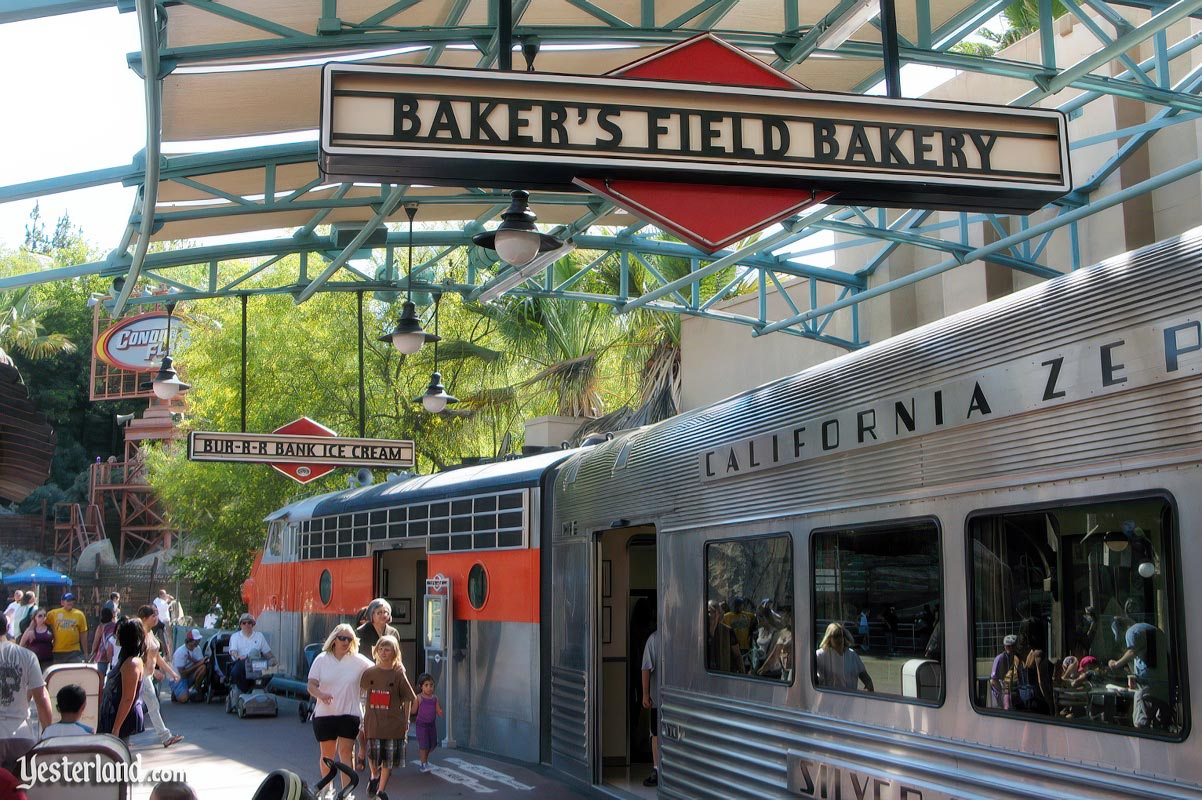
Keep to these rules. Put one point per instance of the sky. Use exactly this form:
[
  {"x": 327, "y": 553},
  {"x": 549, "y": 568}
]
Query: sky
[
  {"x": 75, "y": 106},
  {"x": 72, "y": 104}
]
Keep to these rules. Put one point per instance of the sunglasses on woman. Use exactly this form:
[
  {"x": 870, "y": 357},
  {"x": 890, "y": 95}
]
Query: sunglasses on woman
[{"x": 344, "y": 638}]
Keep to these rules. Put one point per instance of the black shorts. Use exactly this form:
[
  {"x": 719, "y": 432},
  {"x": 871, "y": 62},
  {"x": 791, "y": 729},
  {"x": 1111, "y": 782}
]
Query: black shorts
[
  {"x": 654, "y": 712},
  {"x": 327, "y": 729}
]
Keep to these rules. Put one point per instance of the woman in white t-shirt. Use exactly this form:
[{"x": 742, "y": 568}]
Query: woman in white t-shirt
[
  {"x": 334, "y": 684},
  {"x": 837, "y": 665}
]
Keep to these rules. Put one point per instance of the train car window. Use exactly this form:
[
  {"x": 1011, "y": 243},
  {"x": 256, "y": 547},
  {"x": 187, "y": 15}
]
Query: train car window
[
  {"x": 749, "y": 607},
  {"x": 1075, "y": 616},
  {"x": 274, "y": 547},
  {"x": 878, "y": 600}
]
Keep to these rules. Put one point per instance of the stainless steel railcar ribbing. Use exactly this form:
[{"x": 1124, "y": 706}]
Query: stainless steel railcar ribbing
[{"x": 1121, "y": 414}]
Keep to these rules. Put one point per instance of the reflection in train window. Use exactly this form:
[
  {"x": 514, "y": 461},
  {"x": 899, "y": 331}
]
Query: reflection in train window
[
  {"x": 1074, "y": 616},
  {"x": 749, "y": 607},
  {"x": 878, "y": 622}
]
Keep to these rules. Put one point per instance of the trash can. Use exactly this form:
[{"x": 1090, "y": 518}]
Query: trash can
[{"x": 922, "y": 678}]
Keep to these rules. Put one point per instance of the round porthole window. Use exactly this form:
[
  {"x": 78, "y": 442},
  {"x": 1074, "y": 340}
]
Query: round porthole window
[
  {"x": 477, "y": 586},
  {"x": 325, "y": 587}
]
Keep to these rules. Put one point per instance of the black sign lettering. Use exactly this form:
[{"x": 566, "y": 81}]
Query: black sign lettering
[
  {"x": 1109, "y": 368},
  {"x": 518, "y": 123},
  {"x": 554, "y": 129},
  {"x": 830, "y": 441},
  {"x": 405, "y": 122},
  {"x": 826, "y": 146},
  {"x": 1049, "y": 390},
  {"x": 479, "y": 126},
  {"x": 953, "y": 151},
  {"x": 903, "y": 417},
  {"x": 865, "y": 424},
  {"x": 984, "y": 143},
  {"x": 445, "y": 122},
  {"x": 978, "y": 403},
  {"x": 605, "y": 122},
  {"x": 1173, "y": 347},
  {"x": 894, "y": 156}
]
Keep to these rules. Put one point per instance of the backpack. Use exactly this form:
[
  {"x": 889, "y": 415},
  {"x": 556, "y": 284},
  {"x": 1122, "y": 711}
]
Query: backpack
[{"x": 104, "y": 655}]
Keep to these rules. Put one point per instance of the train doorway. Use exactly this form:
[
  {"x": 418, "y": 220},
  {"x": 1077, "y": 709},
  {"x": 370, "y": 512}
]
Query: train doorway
[
  {"x": 626, "y": 600},
  {"x": 401, "y": 580}
]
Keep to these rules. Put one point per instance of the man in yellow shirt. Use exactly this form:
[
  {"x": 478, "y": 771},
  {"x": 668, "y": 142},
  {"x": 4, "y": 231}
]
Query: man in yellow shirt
[{"x": 69, "y": 626}]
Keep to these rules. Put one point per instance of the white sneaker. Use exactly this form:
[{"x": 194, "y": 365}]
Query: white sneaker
[{"x": 425, "y": 767}]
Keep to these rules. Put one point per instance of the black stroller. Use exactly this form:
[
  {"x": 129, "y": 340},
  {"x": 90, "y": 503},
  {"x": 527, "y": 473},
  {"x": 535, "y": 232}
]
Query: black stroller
[
  {"x": 217, "y": 651},
  {"x": 284, "y": 785}
]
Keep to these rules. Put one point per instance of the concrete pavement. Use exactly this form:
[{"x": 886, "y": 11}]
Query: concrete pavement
[{"x": 225, "y": 758}]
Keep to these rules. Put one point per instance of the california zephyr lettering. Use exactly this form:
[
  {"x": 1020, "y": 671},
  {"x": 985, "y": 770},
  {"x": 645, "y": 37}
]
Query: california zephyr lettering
[{"x": 1127, "y": 359}]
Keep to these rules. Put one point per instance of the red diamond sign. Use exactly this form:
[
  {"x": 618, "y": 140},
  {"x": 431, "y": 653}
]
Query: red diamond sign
[
  {"x": 706, "y": 216},
  {"x": 303, "y": 473}
]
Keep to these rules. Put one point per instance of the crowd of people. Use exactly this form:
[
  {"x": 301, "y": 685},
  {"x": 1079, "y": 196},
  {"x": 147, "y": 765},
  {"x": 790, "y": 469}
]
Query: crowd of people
[
  {"x": 749, "y": 639},
  {"x": 364, "y": 701},
  {"x": 1025, "y": 677},
  {"x": 126, "y": 650}
]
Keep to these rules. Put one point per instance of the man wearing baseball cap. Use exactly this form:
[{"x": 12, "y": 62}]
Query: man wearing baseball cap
[
  {"x": 191, "y": 664},
  {"x": 69, "y": 626},
  {"x": 244, "y": 643}
]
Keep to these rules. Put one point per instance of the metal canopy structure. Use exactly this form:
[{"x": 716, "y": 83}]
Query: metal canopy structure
[{"x": 231, "y": 69}]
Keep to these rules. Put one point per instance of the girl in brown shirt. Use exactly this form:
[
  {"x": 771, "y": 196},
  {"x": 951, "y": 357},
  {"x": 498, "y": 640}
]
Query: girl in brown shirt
[{"x": 385, "y": 714}]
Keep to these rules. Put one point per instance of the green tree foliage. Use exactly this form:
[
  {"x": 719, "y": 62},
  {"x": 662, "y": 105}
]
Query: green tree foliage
[
  {"x": 1021, "y": 18},
  {"x": 301, "y": 362}
]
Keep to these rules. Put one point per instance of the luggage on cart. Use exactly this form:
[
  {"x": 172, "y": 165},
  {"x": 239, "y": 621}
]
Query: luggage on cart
[{"x": 102, "y": 752}]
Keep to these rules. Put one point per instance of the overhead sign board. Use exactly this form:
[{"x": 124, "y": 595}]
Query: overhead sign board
[
  {"x": 546, "y": 131},
  {"x": 273, "y": 448},
  {"x": 138, "y": 343}
]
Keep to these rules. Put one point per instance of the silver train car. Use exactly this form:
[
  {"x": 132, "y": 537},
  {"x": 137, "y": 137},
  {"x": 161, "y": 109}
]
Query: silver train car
[{"x": 956, "y": 564}]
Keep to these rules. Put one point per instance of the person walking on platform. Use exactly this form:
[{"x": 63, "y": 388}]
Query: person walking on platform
[
  {"x": 379, "y": 614},
  {"x": 386, "y": 714},
  {"x": 154, "y": 660},
  {"x": 120, "y": 707},
  {"x": 334, "y": 684},
  {"x": 651, "y": 701},
  {"x": 69, "y": 625}
]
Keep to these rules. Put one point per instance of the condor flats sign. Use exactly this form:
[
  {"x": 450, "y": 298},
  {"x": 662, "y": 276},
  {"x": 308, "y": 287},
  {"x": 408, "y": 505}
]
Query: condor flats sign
[{"x": 504, "y": 129}]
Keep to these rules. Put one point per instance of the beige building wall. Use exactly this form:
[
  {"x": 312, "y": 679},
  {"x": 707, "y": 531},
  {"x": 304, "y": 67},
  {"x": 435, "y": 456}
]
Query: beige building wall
[{"x": 720, "y": 359}]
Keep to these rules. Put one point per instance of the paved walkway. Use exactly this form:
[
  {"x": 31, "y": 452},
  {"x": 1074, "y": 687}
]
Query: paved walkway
[{"x": 225, "y": 758}]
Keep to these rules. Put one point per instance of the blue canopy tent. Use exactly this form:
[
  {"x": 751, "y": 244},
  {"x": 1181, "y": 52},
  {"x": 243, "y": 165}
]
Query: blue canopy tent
[{"x": 38, "y": 575}]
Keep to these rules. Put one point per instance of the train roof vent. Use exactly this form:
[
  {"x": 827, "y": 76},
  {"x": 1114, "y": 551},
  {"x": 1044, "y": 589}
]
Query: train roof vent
[{"x": 624, "y": 453}]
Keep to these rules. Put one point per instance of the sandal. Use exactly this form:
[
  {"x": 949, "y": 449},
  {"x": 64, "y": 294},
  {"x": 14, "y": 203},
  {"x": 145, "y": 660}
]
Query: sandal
[{"x": 176, "y": 739}]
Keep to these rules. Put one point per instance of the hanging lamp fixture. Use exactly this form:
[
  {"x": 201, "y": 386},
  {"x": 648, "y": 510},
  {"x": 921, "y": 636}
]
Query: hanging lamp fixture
[
  {"x": 435, "y": 398},
  {"x": 166, "y": 384},
  {"x": 408, "y": 336},
  {"x": 516, "y": 240}
]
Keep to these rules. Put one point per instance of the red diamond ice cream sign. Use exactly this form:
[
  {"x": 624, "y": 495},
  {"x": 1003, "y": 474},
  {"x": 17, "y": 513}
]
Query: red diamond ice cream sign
[{"x": 303, "y": 473}]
